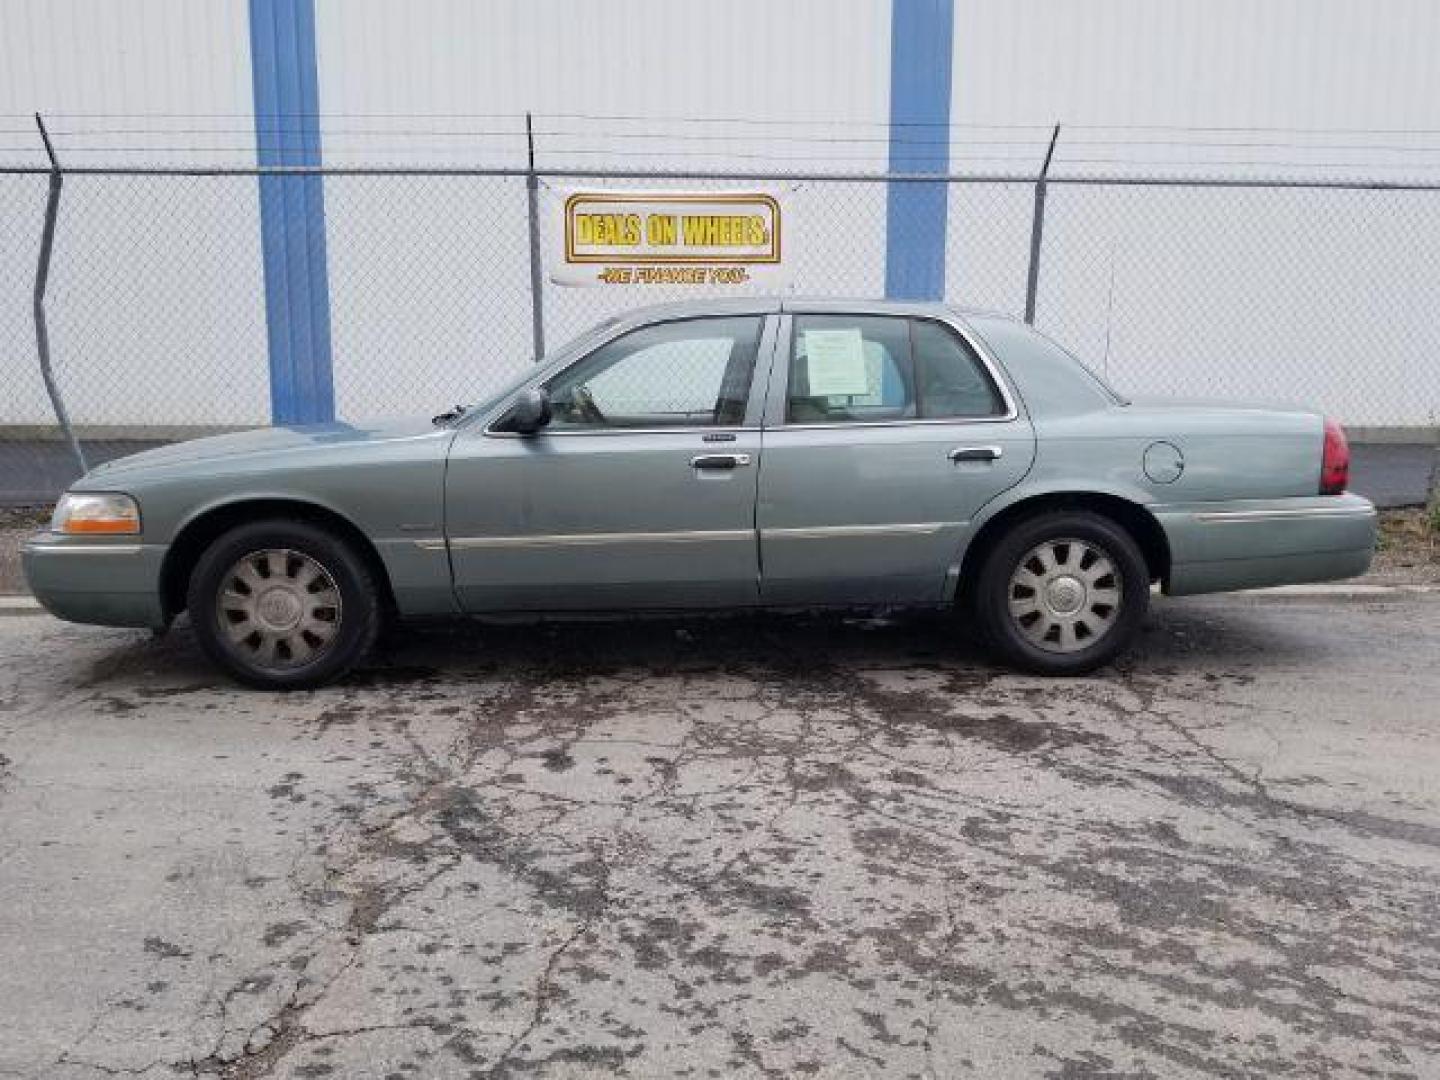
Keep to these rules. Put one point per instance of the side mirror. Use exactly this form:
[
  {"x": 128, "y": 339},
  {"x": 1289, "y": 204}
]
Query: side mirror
[{"x": 531, "y": 410}]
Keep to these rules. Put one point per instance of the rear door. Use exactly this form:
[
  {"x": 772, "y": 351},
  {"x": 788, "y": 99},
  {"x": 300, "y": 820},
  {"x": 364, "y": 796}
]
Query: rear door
[{"x": 884, "y": 434}]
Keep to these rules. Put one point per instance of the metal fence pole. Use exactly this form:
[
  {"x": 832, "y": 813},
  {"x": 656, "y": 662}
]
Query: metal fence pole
[
  {"x": 537, "y": 277},
  {"x": 1037, "y": 230},
  {"x": 42, "y": 277}
]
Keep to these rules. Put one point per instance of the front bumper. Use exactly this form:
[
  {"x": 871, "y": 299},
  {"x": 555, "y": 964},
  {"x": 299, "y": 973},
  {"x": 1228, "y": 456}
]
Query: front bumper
[
  {"x": 108, "y": 582},
  {"x": 1249, "y": 544}
]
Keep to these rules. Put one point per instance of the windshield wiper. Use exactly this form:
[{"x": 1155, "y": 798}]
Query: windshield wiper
[{"x": 448, "y": 417}]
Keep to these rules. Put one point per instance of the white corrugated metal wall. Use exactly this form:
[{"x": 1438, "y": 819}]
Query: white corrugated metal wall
[
  {"x": 1172, "y": 291},
  {"x": 157, "y": 311},
  {"x": 451, "y": 81}
]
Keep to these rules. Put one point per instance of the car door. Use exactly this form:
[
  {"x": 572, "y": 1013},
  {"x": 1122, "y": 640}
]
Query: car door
[
  {"x": 639, "y": 493},
  {"x": 885, "y": 433}
]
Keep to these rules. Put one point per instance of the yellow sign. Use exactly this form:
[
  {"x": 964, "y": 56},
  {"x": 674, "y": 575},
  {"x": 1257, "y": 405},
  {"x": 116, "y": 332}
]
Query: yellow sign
[{"x": 670, "y": 238}]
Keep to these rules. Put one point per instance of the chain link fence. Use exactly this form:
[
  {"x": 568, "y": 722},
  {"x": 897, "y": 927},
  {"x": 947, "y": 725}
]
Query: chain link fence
[
  {"x": 156, "y": 305},
  {"x": 429, "y": 290},
  {"x": 1319, "y": 295}
]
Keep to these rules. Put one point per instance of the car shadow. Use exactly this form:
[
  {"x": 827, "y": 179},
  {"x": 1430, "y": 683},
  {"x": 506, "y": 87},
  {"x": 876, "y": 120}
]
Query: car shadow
[{"x": 1210, "y": 633}]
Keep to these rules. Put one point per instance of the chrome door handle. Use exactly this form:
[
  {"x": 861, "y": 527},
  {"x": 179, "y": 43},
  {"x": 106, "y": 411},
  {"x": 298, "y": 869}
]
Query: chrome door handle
[
  {"x": 719, "y": 461},
  {"x": 976, "y": 453}
]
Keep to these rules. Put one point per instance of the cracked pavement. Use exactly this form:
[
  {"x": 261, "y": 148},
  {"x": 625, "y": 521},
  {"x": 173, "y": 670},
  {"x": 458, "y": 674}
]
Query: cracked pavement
[{"x": 761, "y": 847}]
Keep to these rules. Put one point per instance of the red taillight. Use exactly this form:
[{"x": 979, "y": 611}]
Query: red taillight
[{"x": 1335, "y": 461}]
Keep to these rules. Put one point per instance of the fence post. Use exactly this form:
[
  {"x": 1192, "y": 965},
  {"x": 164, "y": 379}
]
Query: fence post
[
  {"x": 537, "y": 277},
  {"x": 42, "y": 278},
  {"x": 1037, "y": 230}
]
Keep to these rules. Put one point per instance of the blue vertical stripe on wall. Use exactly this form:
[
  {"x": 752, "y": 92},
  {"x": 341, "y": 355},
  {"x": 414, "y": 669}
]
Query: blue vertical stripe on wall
[
  {"x": 292, "y": 211},
  {"x": 922, "y": 40}
]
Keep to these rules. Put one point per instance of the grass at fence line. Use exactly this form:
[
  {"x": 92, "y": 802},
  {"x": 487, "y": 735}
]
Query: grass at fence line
[
  {"x": 1409, "y": 540},
  {"x": 24, "y": 517},
  {"x": 17, "y": 523}
]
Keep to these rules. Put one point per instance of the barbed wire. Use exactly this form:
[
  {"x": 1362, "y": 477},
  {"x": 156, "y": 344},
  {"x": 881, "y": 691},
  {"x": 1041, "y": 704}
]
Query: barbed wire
[
  {"x": 811, "y": 122},
  {"x": 785, "y": 142}
]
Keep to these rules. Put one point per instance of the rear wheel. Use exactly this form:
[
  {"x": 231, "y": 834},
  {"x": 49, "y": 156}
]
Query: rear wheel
[
  {"x": 283, "y": 605},
  {"x": 1062, "y": 593}
]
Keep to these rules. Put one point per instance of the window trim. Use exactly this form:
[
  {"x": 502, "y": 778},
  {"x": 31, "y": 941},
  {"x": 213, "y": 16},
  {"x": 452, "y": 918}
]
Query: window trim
[
  {"x": 780, "y": 404},
  {"x": 754, "y": 401}
]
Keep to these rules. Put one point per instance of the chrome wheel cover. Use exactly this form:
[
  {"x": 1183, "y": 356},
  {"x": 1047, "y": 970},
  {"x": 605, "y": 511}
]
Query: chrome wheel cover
[
  {"x": 1064, "y": 595},
  {"x": 278, "y": 609}
]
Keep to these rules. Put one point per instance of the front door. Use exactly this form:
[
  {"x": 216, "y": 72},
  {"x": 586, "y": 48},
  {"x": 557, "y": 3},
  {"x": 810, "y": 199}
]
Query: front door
[
  {"x": 640, "y": 493},
  {"x": 884, "y": 435}
]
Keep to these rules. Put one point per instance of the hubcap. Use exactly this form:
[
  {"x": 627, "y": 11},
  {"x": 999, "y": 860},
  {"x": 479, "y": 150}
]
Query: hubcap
[
  {"x": 1064, "y": 595},
  {"x": 278, "y": 608}
]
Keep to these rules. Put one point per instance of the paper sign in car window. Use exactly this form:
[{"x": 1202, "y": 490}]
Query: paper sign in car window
[{"x": 836, "y": 363}]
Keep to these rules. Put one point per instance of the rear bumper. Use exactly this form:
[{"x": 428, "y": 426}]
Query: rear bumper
[
  {"x": 1249, "y": 544},
  {"x": 109, "y": 583}
]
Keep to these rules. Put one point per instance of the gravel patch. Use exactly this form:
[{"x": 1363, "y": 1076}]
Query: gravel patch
[{"x": 16, "y": 523}]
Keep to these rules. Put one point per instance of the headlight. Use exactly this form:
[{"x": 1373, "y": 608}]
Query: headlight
[{"x": 91, "y": 514}]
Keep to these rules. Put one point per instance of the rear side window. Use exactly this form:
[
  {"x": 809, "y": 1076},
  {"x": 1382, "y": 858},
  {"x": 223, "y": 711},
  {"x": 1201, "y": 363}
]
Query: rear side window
[
  {"x": 847, "y": 368},
  {"x": 870, "y": 368},
  {"x": 953, "y": 381}
]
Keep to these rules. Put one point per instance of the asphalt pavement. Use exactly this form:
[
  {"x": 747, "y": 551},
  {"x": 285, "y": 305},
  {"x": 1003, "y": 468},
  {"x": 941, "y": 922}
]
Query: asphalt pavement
[{"x": 767, "y": 847}]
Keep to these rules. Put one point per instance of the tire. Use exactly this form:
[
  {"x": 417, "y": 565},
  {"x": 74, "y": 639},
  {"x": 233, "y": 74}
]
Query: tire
[
  {"x": 1062, "y": 593},
  {"x": 316, "y": 623}
]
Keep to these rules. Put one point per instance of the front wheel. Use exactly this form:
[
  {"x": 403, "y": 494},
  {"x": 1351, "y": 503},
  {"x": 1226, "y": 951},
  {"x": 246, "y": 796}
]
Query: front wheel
[
  {"x": 1062, "y": 593},
  {"x": 283, "y": 605}
]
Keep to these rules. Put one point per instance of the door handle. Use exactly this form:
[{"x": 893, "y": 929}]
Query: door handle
[
  {"x": 719, "y": 461},
  {"x": 976, "y": 453}
]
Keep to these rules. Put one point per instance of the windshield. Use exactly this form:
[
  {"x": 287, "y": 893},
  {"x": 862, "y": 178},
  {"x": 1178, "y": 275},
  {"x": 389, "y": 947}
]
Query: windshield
[
  {"x": 1095, "y": 376},
  {"x": 578, "y": 344},
  {"x": 1051, "y": 379},
  {"x": 459, "y": 412}
]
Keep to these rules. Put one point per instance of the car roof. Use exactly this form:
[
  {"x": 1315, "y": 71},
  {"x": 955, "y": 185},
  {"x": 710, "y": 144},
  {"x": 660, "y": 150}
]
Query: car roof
[{"x": 744, "y": 305}]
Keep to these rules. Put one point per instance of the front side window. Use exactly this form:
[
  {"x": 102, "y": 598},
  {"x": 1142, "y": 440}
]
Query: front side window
[
  {"x": 696, "y": 372},
  {"x": 868, "y": 368}
]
